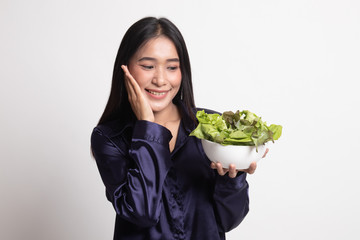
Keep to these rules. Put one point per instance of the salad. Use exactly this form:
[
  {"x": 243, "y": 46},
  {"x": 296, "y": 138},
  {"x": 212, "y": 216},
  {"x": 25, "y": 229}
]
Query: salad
[{"x": 239, "y": 128}]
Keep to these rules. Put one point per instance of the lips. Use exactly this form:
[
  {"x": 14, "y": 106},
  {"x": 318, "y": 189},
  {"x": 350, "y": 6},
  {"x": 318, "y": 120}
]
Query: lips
[{"x": 157, "y": 93}]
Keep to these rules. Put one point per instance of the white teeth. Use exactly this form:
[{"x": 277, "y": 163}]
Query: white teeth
[{"x": 156, "y": 93}]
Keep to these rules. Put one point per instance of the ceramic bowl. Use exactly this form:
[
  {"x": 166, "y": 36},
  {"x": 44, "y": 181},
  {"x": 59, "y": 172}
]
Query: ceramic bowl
[{"x": 240, "y": 156}]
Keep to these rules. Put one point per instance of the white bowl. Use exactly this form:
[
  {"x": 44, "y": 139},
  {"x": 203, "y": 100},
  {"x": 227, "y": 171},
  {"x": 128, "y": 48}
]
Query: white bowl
[{"x": 240, "y": 156}]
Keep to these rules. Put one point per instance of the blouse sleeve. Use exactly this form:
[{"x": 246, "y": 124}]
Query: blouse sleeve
[
  {"x": 231, "y": 200},
  {"x": 134, "y": 181}
]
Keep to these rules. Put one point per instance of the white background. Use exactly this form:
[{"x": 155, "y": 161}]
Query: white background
[{"x": 295, "y": 63}]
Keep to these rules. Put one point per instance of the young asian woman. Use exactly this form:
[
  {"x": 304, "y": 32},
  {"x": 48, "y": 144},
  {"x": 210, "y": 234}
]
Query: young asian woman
[{"x": 159, "y": 180}]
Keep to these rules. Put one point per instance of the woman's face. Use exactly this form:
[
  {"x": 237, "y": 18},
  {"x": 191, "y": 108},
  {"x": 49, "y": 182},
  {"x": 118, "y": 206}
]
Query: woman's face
[{"x": 156, "y": 68}]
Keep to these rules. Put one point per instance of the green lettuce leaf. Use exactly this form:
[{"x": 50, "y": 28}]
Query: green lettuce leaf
[{"x": 239, "y": 128}]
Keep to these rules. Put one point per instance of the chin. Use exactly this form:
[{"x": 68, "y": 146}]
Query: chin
[{"x": 159, "y": 107}]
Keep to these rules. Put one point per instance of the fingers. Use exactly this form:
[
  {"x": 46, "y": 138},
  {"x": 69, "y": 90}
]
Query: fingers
[
  {"x": 132, "y": 96},
  {"x": 266, "y": 151},
  {"x": 251, "y": 168},
  {"x": 232, "y": 169},
  {"x": 137, "y": 100},
  {"x": 130, "y": 82},
  {"x": 222, "y": 171},
  {"x": 126, "y": 72}
]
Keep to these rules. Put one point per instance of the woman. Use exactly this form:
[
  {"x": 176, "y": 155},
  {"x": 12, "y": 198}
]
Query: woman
[{"x": 158, "y": 179}]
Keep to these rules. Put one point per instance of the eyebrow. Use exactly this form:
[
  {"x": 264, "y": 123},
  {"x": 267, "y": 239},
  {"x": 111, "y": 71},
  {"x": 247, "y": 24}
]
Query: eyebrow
[{"x": 154, "y": 59}]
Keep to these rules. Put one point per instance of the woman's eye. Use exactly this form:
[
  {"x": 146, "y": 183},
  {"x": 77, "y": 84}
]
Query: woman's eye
[
  {"x": 147, "y": 67},
  {"x": 173, "y": 68}
]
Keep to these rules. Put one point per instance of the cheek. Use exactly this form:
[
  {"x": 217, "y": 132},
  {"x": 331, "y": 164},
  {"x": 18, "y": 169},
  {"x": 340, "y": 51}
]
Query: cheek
[
  {"x": 176, "y": 79},
  {"x": 141, "y": 77}
]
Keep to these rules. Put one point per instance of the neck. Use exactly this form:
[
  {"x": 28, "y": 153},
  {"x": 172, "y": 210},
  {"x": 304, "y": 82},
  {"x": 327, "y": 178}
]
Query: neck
[{"x": 167, "y": 115}]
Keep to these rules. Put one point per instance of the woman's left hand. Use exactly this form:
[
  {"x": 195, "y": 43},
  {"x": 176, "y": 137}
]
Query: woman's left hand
[{"x": 232, "y": 168}]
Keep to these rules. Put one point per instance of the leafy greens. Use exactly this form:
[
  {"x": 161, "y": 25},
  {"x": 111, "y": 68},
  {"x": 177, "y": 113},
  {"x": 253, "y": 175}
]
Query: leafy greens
[{"x": 240, "y": 128}]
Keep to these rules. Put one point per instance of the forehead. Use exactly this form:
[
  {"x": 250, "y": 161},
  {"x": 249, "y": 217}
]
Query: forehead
[{"x": 161, "y": 47}]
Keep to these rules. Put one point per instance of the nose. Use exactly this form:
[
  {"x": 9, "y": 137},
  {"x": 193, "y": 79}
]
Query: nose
[{"x": 159, "y": 78}]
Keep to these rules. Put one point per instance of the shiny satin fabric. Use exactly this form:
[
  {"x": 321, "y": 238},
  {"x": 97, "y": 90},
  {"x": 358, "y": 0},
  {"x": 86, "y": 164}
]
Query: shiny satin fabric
[{"x": 158, "y": 194}]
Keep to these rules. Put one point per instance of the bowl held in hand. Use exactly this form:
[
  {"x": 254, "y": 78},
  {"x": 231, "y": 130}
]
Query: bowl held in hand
[{"x": 240, "y": 156}]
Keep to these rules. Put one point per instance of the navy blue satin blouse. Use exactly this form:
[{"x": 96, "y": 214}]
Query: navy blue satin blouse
[{"x": 158, "y": 194}]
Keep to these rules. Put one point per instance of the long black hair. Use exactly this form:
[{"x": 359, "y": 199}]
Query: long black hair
[{"x": 137, "y": 35}]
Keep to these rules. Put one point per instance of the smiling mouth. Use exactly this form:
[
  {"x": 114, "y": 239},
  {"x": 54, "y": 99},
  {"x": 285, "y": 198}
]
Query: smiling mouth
[{"x": 157, "y": 93}]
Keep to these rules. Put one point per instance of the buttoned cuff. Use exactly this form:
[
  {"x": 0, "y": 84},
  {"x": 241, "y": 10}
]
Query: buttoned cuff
[
  {"x": 151, "y": 131},
  {"x": 237, "y": 182}
]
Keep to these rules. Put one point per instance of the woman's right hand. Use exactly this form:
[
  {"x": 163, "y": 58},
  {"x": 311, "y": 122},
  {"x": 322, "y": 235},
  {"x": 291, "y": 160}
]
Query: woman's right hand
[{"x": 138, "y": 102}]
